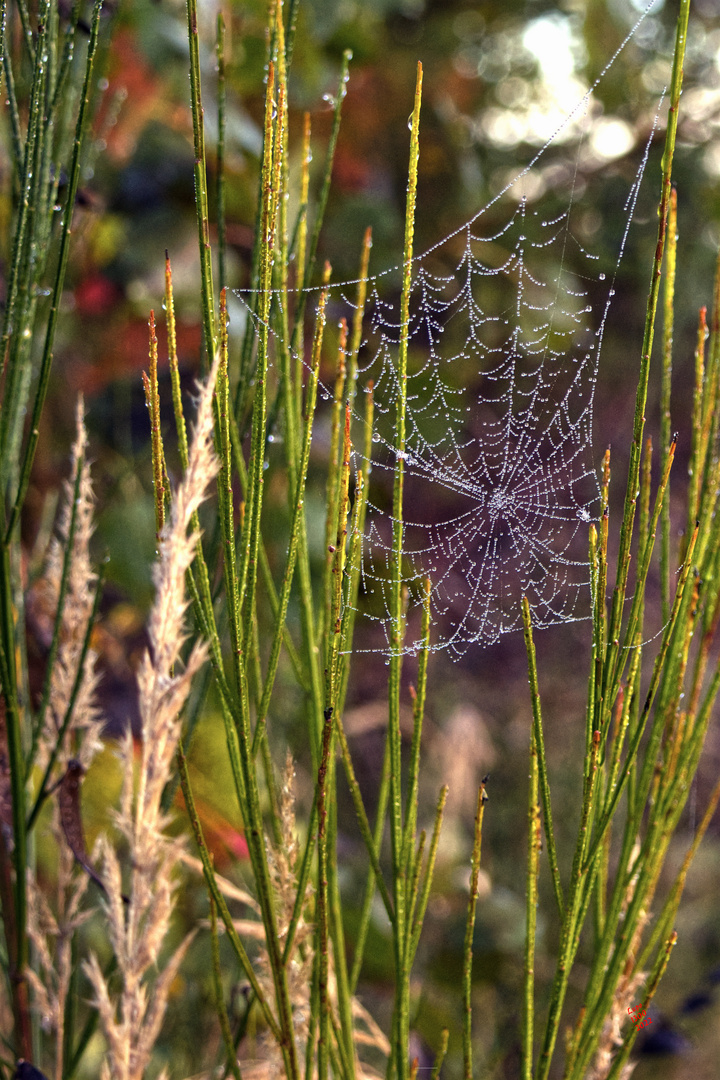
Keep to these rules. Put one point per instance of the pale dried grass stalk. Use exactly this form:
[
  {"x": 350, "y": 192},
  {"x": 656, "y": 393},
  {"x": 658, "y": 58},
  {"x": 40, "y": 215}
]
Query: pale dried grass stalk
[
  {"x": 51, "y": 931},
  {"x": 51, "y": 934},
  {"x": 613, "y": 1036},
  {"x": 131, "y": 1020},
  {"x": 82, "y": 740}
]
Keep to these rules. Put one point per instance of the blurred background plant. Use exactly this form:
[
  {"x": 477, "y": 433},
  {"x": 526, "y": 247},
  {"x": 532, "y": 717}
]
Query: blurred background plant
[{"x": 498, "y": 80}]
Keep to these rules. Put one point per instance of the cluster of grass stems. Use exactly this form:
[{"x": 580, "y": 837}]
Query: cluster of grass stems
[{"x": 648, "y": 704}]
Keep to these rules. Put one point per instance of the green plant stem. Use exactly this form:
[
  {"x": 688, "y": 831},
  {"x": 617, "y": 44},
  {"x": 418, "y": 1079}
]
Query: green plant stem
[
  {"x": 648, "y": 335},
  {"x": 251, "y": 528},
  {"x": 670, "y": 907},
  {"x": 17, "y": 323},
  {"x": 226, "y": 503},
  {"x": 246, "y": 588},
  {"x": 440, "y": 1057},
  {"x": 334, "y": 665},
  {"x": 295, "y": 529},
  {"x": 201, "y": 200},
  {"x": 610, "y": 807},
  {"x": 27, "y": 30},
  {"x": 221, "y": 97},
  {"x": 322, "y": 928},
  {"x": 47, "y": 354},
  {"x": 15, "y": 920},
  {"x": 12, "y": 105},
  {"x": 539, "y": 750},
  {"x": 662, "y": 962},
  {"x": 152, "y": 398},
  {"x": 665, "y": 390},
  {"x": 218, "y": 897},
  {"x": 470, "y": 931},
  {"x": 418, "y": 696},
  {"x": 571, "y": 922},
  {"x": 230, "y": 1052},
  {"x": 332, "y": 489},
  {"x": 327, "y": 179},
  {"x": 364, "y": 824},
  {"x": 428, "y": 875},
  {"x": 533, "y": 866},
  {"x": 366, "y": 908},
  {"x": 696, "y": 467},
  {"x": 173, "y": 364},
  {"x": 646, "y": 542},
  {"x": 401, "y": 1013}
]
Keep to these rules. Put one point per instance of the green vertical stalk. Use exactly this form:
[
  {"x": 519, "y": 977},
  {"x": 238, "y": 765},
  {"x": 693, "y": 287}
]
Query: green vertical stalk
[
  {"x": 572, "y": 920},
  {"x": 665, "y": 390},
  {"x": 173, "y": 363},
  {"x": 20, "y": 304},
  {"x": 656, "y": 975},
  {"x": 696, "y": 465},
  {"x": 225, "y": 498},
  {"x": 200, "y": 173},
  {"x": 322, "y": 905},
  {"x": 424, "y": 889},
  {"x": 11, "y": 97},
  {"x": 327, "y": 172},
  {"x": 332, "y": 489},
  {"x": 301, "y": 226},
  {"x": 633, "y": 629},
  {"x": 539, "y": 752},
  {"x": 358, "y": 315},
  {"x": 599, "y": 569},
  {"x": 648, "y": 335},
  {"x": 15, "y": 921},
  {"x": 47, "y": 355},
  {"x": 221, "y": 96},
  {"x": 27, "y": 30},
  {"x": 444, "y": 1039},
  {"x": 401, "y": 1017},
  {"x": 218, "y": 898},
  {"x": 531, "y": 902},
  {"x": 230, "y": 1051},
  {"x": 247, "y": 573},
  {"x": 608, "y": 810},
  {"x": 383, "y": 794},
  {"x": 333, "y": 679},
  {"x": 240, "y": 742},
  {"x": 469, "y": 933},
  {"x": 418, "y": 696},
  {"x": 152, "y": 398},
  {"x": 298, "y": 511},
  {"x": 334, "y": 630}
]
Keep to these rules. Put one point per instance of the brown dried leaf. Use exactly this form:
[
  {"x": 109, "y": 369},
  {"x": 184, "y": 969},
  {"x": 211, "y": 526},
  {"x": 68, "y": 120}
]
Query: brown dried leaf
[{"x": 71, "y": 817}]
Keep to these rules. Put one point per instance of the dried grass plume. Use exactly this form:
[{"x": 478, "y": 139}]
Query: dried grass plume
[{"x": 131, "y": 1020}]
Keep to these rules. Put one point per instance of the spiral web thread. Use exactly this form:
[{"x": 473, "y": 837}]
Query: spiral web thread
[{"x": 500, "y": 481}]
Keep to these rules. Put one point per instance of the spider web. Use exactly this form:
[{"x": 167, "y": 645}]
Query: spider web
[
  {"x": 507, "y": 316},
  {"x": 500, "y": 482},
  {"x": 500, "y": 478}
]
